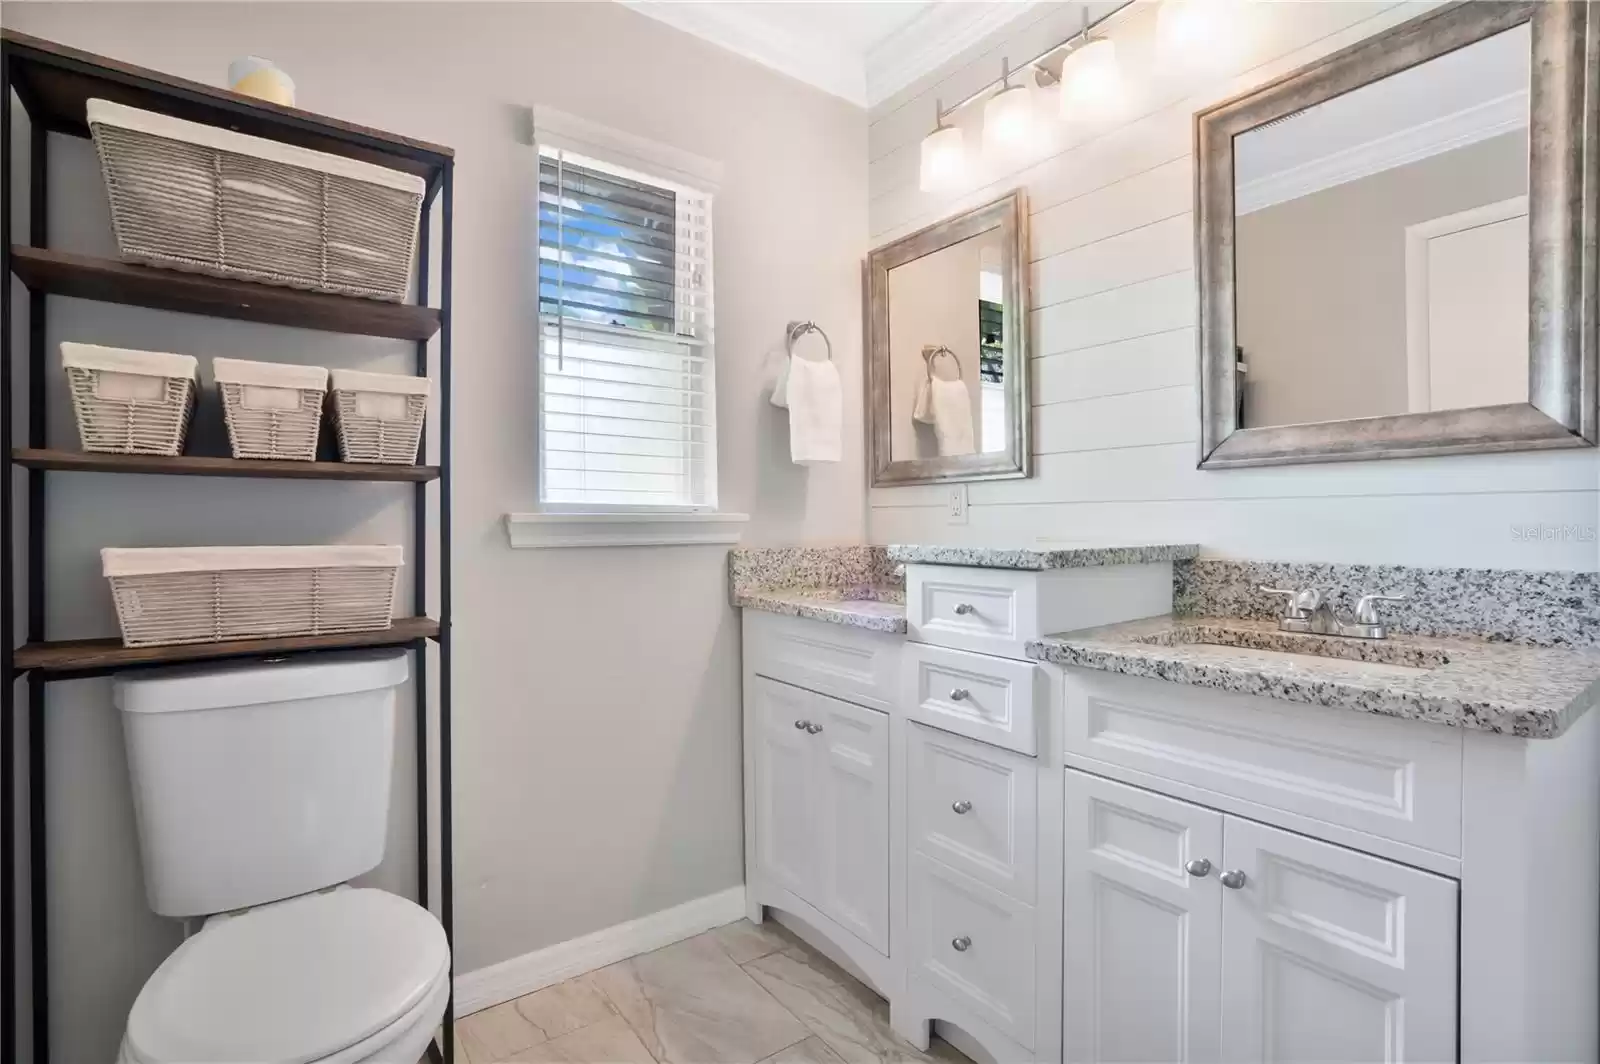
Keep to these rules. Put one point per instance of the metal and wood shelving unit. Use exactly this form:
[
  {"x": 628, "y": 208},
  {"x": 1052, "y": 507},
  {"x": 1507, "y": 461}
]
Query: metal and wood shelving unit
[{"x": 52, "y": 83}]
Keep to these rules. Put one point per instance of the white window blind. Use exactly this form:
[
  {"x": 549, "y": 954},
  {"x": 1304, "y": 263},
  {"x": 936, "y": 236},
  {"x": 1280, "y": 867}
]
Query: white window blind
[{"x": 627, "y": 388}]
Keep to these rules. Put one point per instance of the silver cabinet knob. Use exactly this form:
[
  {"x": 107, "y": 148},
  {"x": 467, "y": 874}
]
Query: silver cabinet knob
[
  {"x": 813, "y": 728},
  {"x": 1233, "y": 879},
  {"x": 961, "y": 944},
  {"x": 959, "y": 694},
  {"x": 964, "y": 608},
  {"x": 962, "y": 807},
  {"x": 802, "y": 725},
  {"x": 1199, "y": 867}
]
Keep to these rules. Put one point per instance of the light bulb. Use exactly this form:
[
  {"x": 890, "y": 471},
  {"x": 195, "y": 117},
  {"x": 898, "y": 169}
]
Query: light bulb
[
  {"x": 1197, "y": 32},
  {"x": 1091, "y": 79},
  {"x": 1008, "y": 120},
  {"x": 943, "y": 159}
]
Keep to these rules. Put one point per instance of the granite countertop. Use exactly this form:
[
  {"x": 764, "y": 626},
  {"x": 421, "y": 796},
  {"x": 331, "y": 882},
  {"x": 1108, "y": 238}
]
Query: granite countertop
[
  {"x": 1034, "y": 558},
  {"x": 877, "y": 611},
  {"x": 1511, "y": 689}
]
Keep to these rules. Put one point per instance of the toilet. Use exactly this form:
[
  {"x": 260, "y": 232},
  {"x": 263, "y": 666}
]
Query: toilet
[{"x": 260, "y": 791}]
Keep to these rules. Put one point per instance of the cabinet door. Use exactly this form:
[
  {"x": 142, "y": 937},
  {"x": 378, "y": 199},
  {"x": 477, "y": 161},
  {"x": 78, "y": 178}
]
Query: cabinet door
[
  {"x": 786, "y": 836},
  {"x": 1142, "y": 934},
  {"x": 852, "y": 811},
  {"x": 1329, "y": 954}
]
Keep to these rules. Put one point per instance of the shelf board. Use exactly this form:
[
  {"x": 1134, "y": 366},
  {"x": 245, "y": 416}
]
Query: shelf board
[
  {"x": 206, "y": 466},
  {"x": 107, "y": 655},
  {"x": 54, "y": 81},
  {"x": 110, "y": 281}
]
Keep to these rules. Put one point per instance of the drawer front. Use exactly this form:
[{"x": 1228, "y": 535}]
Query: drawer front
[
  {"x": 974, "y": 944},
  {"x": 849, "y": 663},
  {"x": 1396, "y": 779},
  {"x": 974, "y": 807},
  {"x": 991, "y": 611},
  {"x": 993, "y": 700}
]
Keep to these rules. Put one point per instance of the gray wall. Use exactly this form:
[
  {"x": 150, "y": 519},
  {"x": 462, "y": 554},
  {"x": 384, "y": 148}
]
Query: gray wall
[
  {"x": 1322, "y": 282},
  {"x": 596, "y": 714}
]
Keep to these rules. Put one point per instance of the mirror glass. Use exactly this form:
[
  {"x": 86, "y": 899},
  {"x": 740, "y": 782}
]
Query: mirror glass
[
  {"x": 946, "y": 365},
  {"x": 1381, "y": 245}
]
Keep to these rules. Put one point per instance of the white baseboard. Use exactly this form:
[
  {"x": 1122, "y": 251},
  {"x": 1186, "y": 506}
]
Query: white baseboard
[{"x": 545, "y": 967}]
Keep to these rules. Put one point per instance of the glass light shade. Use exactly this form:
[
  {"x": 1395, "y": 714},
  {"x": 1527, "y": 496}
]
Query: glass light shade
[
  {"x": 1091, "y": 79},
  {"x": 1196, "y": 32},
  {"x": 943, "y": 158},
  {"x": 1008, "y": 120}
]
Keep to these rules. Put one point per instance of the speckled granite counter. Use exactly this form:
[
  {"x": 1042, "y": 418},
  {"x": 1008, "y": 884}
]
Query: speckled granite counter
[
  {"x": 1530, "y": 691},
  {"x": 873, "y": 614},
  {"x": 855, "y": 586},
  {"x": 1064, "y": 557}
]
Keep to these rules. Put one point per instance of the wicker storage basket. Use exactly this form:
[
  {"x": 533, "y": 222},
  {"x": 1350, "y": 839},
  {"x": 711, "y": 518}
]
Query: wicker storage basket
[
  {"x": 167, "y": 595},
  {"x": 379, "y": 415},
  {"x": 130, "y": 402},
  {"x": 273, "y": 410},
  {"x": 195, "y": 197}
]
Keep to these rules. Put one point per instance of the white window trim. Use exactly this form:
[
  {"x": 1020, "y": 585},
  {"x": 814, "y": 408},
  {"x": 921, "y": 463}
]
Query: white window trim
[
  {"x": 557, "y": 525},
  {"x": 642, "y": 528}
]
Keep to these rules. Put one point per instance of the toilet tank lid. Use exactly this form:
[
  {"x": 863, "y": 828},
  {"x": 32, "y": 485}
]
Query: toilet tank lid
[{"x": 218, "y": 687}]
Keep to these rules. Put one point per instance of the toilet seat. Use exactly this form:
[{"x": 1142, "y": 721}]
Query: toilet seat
[{"x": 321, "y": 979}]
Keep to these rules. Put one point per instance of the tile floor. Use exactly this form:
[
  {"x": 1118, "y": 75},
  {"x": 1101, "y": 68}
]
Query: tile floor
[{"x": 740, "y": 994}]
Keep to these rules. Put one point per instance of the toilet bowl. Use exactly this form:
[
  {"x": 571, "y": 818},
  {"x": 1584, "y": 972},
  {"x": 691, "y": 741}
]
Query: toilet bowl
[{"x": 346, "y": 977}]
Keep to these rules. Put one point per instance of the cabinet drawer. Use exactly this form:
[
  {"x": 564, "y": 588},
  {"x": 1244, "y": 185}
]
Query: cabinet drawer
[
  {"x": 974, "y": 944},
  {"x": 986, "y": 698},
  {"x": 992, "y": 611},
  {"x": 974, "y": 807},
  {"x": 1396, "y": 779},
  {"x": 849, "y": 663}
]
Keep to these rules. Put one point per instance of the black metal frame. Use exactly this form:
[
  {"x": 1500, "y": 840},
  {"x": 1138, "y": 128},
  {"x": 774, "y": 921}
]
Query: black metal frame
[{"x": 439, "y": 191}]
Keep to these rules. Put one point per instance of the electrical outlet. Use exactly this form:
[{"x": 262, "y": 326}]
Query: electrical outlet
[{"x": 956, "y": 511}]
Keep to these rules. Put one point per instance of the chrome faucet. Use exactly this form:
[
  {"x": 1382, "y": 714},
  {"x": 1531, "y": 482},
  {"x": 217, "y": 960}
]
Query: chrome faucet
[{"x": 1309, "y": 611}]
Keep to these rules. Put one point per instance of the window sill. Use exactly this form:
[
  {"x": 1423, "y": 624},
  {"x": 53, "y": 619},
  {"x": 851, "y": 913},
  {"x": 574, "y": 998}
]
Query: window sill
[{"x": 544, "y": 531}]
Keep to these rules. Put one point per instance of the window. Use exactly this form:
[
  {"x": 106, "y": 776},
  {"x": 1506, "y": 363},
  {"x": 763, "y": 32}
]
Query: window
[{"x": 627, "y": 381}]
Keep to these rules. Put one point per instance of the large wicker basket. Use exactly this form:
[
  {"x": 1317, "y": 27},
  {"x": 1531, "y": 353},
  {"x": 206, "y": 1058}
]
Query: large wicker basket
[
  {"x": 195, "y": 197},
  {"x": 129, "y": 402},
  {"x": 168, "y": 595},
  {"x": 379, "y": 415},
  {"x": 273, "y": 410}
]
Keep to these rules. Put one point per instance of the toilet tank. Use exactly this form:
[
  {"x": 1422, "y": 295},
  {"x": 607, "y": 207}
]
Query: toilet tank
[{"x": 259, "y": 782}]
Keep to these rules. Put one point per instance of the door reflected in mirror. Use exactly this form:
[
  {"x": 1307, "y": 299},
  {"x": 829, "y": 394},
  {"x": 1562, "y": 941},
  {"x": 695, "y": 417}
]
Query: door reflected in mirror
[
  {"x": 947, "y": 322},
  {"x": 1381, "y": 243}
]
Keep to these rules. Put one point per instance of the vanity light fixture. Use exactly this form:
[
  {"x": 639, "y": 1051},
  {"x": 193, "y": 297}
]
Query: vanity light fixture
[
  {"x": 1008, "y": 115},
  {"x": 1091, "y": 79},
  {"x": 943, "y": 154},
  {"x": 1196, "y": 32}
]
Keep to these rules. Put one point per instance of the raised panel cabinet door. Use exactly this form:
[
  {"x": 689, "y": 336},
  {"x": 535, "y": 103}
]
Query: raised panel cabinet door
[
  {"x": 852, "y": 788},
  {"x": 1142, "y": 925},
  {"x": 1329, "y": 954},
  {"x": 786, "y": 817}
]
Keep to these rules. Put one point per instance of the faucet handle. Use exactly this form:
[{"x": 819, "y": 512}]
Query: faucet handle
[
  {"x": 1298, "y": 603},
  {"x": 1367, "y": 613}
]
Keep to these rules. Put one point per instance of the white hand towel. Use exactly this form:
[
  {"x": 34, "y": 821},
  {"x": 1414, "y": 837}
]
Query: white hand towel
[
  {"x": 952, "y": 417},
  {"x": 816, "y": 412},
  {"x": 922, "y": 406}
]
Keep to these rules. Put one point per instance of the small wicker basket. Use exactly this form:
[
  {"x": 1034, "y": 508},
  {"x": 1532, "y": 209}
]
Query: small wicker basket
[
  {"x": 273, "y": 410},
  {"x": 379, "y": 415},
  {"x": 170, "y": 595},
  {"x": 130, "y": 402},
  {"x": 188, "y": 196}
]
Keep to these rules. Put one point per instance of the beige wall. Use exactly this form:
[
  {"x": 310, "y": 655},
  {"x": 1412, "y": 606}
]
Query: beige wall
[
  {"x": 1115, "y": 432},
  {"x": 1322, "y": 282},
  {"x": 597, "y": 760}
]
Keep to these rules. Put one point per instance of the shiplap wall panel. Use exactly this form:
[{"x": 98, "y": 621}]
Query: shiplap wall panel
[{"x": 1113, "y": 334}]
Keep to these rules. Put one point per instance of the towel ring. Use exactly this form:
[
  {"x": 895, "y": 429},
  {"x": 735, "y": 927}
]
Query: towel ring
[
  {"x": 798, "y": 329},
  {"x": 931, "y": 353}
]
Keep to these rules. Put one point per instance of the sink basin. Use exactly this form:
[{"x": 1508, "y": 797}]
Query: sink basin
[{"x": 1378, "y": 657}]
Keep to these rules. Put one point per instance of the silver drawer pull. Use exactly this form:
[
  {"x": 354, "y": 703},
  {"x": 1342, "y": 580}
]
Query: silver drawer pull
[
  {"x": 802, "y": 725},
  {"x": 961, "y": 944},
  {"x": 813, "y": 728},
  {"x": 1199, "y": 867},
  {"x": 964, "y": 608},
  {"x": 962, "y": 807},
  {"x": 959, "y": 694},
  {"x": 1233, "y": 880}
]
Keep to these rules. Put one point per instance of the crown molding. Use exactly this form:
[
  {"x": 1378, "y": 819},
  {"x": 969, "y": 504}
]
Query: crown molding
[
  {"x": 937, "y": 34},
  {"x": 1467, "y": 126}
]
